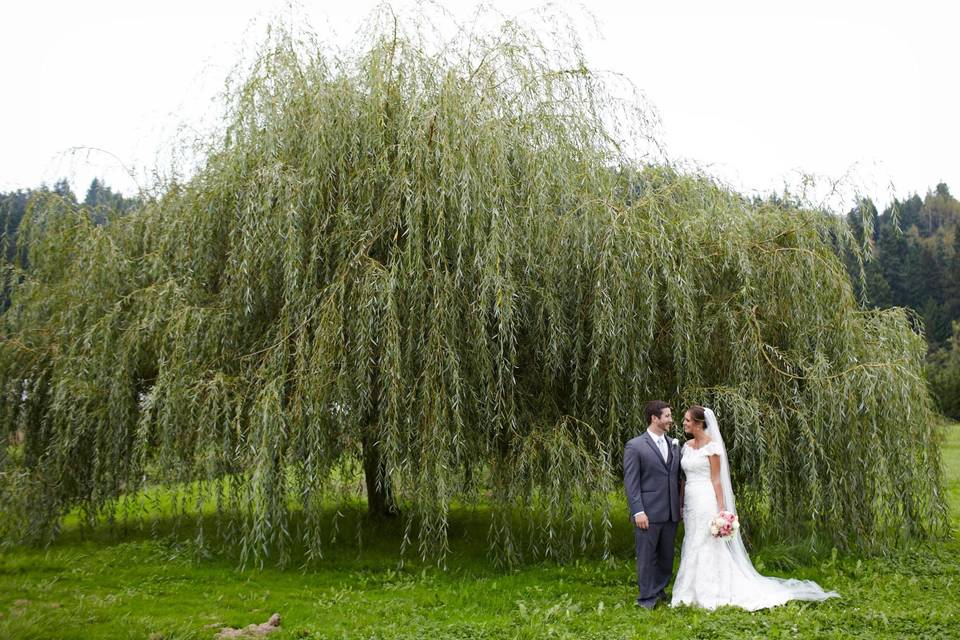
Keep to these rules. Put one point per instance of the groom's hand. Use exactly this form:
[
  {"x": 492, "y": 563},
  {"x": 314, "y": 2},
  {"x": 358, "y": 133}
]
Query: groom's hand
[{"x": 642, "y": 521}]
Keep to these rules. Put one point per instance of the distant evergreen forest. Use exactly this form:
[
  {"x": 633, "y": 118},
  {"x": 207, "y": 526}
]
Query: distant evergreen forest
[
  {"x": 916, "y": 259},
  {"x": 913, "y": 261},
  {"x": 100, "y": 201}
]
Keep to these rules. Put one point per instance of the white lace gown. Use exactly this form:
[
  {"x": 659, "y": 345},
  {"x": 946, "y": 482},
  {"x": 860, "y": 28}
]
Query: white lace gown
[{"x": 713, "y": 572}]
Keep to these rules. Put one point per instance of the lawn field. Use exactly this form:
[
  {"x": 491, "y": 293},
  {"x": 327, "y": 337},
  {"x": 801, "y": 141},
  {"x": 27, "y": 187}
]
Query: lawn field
[{"x": 131, "y": 585}]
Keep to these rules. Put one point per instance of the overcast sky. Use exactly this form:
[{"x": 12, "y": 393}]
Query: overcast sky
[{"x": 755, "y": 92}]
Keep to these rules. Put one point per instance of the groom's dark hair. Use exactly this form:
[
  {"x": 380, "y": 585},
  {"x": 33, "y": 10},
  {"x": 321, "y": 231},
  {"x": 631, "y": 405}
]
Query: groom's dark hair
[{"x": 654, "y": 408}]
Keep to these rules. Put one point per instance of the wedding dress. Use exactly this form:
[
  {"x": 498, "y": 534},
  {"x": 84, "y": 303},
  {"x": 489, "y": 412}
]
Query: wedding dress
[{"x": 715, "y": 572}]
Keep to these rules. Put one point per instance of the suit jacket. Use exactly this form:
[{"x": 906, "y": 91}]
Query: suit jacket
[{"x": 652, "y": 485}]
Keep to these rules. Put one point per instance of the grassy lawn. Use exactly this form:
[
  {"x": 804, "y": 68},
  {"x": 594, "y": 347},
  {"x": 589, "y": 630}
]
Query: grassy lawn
[{"x": 131, "y": 585}]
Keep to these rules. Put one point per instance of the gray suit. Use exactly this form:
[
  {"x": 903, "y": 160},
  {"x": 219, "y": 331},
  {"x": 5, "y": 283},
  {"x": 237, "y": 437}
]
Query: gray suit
[{"x": 653, "y": 486}]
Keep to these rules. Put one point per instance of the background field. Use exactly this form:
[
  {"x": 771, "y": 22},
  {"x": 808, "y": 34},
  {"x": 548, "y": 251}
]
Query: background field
[{"x": 130, "y": 585}]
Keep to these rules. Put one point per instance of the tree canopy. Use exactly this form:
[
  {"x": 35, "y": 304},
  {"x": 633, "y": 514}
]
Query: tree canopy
[{"x": 440, "y": 267}]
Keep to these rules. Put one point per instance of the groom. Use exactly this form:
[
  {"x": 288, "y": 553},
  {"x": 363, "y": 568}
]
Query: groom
[{"x": 651, "y": 479}]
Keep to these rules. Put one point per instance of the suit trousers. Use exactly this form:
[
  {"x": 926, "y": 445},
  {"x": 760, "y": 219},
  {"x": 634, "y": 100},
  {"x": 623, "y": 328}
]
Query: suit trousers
[{"x": 654, "y": 559}]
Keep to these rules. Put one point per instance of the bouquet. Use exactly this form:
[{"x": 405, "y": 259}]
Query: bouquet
[{"x": 724, "y": 525}]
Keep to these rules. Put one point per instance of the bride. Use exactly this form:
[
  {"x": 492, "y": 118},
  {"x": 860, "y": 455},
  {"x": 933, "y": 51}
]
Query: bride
[{"x": 715, "y": 572}]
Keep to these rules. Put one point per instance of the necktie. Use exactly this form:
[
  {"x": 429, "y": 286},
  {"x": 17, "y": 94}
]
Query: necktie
[{"x": 663, "y": 447}]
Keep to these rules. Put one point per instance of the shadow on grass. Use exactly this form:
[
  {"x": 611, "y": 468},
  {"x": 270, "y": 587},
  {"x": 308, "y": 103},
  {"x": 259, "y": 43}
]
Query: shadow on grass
[{"x": 350, "y": 540}]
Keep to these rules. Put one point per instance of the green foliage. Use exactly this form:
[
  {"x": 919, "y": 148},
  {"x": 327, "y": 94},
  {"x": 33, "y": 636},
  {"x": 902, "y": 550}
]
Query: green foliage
[
  {"x": 429, "y": 255},
  {"x": 943, "y": 372},
  {"x": 101, "y": 203},
  {"x": 62, "y": 188},
  {"x": 912, "y": 258}
]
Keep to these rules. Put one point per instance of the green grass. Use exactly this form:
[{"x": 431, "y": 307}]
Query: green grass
[
  {"x": 130, "y": 584},
  {"x": 950, "y": 450}
]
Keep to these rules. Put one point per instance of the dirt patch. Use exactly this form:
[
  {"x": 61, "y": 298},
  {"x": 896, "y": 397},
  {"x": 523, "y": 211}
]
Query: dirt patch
[{"x": 251, "y": 630}]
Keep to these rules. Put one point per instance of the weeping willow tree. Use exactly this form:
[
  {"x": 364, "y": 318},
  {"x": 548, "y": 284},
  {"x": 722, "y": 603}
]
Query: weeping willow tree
[{"x": 438, "y": 270}]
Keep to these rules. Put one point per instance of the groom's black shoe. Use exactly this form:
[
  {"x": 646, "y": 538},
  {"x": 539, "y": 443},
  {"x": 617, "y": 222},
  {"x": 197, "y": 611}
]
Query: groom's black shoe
[{"x": 647, "y": 604}]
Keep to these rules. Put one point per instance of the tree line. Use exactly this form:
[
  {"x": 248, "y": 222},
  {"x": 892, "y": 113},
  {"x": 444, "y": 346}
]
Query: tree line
[
  {"x": 100, "y": 202},
  {"x": 912, "y": 260}
]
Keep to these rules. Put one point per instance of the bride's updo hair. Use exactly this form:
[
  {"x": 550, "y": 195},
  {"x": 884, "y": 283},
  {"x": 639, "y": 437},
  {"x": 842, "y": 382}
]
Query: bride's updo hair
[{"x": 697, "y": 413}]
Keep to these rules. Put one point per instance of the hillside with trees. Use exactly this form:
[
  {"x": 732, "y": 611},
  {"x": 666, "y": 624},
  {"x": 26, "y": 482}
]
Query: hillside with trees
[{"x": 913, "y": 261}]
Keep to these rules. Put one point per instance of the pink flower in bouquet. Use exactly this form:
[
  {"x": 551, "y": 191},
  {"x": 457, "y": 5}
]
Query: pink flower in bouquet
[{"x": 724, "y": 525}]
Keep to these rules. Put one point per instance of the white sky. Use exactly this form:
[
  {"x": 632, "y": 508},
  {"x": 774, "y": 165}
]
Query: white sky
[{"x": 755, "y": 92}]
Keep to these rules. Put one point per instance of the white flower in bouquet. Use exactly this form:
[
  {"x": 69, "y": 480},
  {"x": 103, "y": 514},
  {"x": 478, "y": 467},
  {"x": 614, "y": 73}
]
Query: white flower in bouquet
[{"x": 724, "y": 525}]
